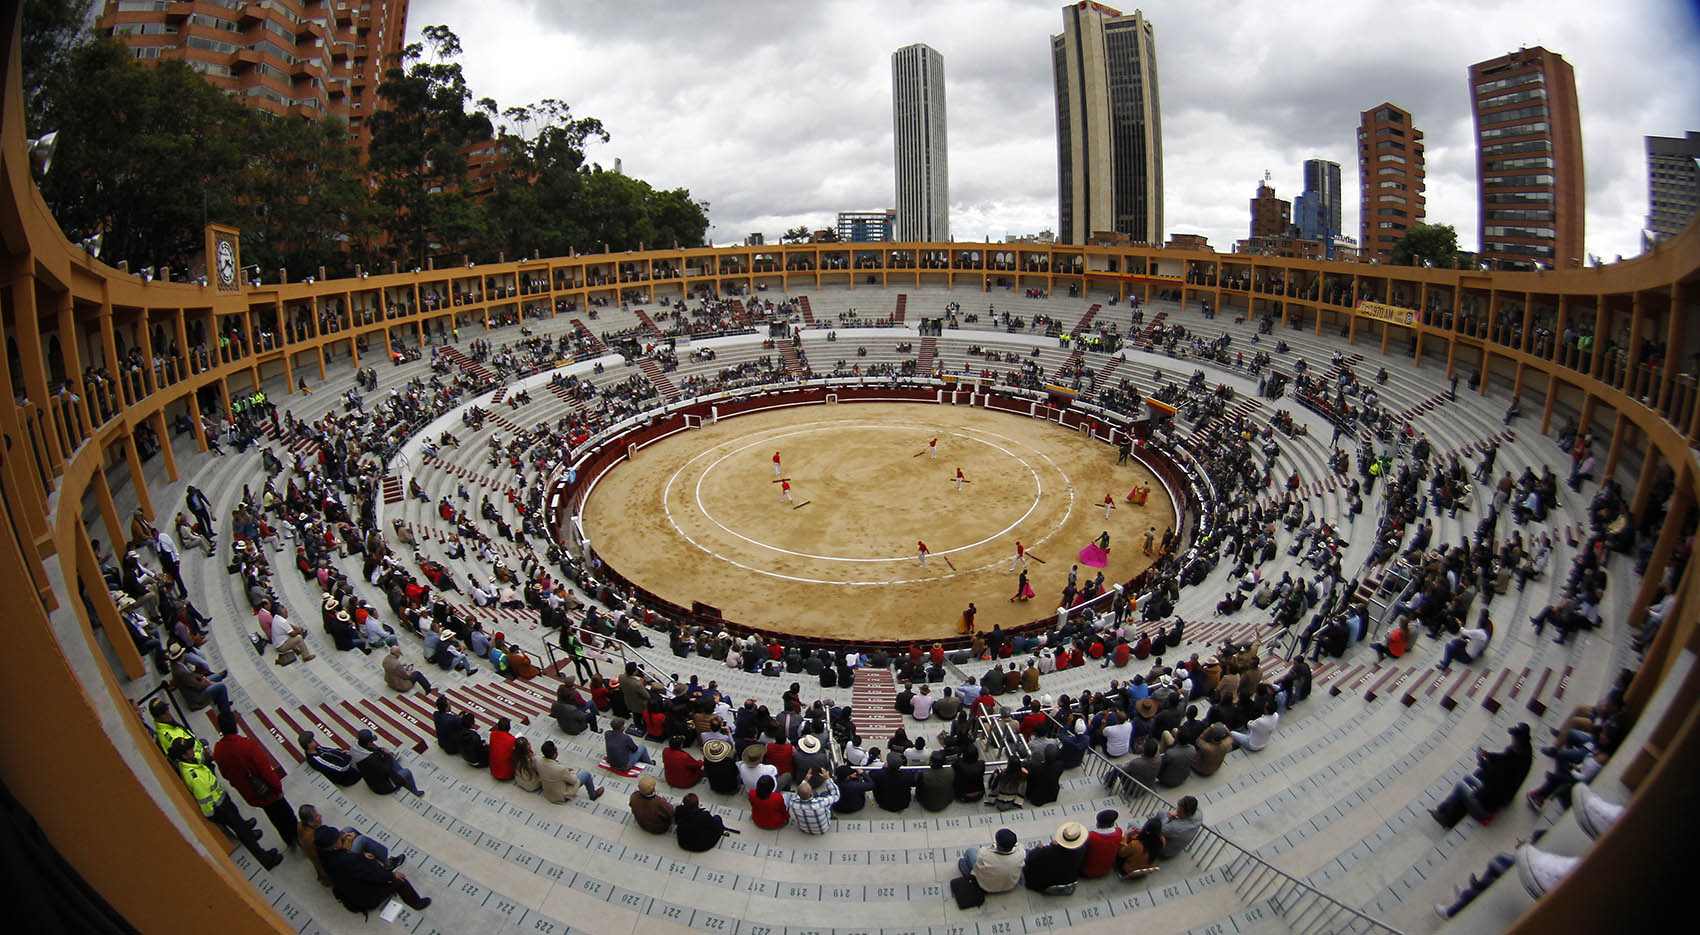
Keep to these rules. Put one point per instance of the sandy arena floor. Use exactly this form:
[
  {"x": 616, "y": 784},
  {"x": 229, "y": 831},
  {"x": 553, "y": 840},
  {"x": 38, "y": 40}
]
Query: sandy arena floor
[{"x": 699, "y": 517}]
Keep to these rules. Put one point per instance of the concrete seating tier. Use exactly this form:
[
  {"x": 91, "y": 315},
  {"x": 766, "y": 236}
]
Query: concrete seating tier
[{"x": 1338, "y": 799}]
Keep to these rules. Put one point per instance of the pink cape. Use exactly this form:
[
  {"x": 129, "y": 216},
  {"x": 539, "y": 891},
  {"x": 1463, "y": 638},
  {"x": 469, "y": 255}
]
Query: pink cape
[{"x": 1094, "y": 556}]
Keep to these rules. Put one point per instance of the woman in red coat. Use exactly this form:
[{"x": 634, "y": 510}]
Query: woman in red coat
[
  {"x": 600, "y": 694},
  {"x": 502, "y": 749},
  {"x": 681, "y": 770},
  {"x": 767, "y": 807}
]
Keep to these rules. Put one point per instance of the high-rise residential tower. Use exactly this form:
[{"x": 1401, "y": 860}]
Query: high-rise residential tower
[
  {"x": 918, "y": 135},
  {"x": 1109, "y": 125},
  {"x": 1528, "y": 160},
  {"x": 1270, "y": 216},
  {"x": 1673, "y": 183},
  {"x": 1390, "y": 180},
  {"x": 1316, "y": 211},
  {"x": 310, "y": 58}
]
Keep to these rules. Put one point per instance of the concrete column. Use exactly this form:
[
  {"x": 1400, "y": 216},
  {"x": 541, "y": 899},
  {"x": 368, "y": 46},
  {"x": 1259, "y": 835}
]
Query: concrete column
[
  {"x": 27, "y": 327},
  {"x": 137, "y": 480},
  {"x": 159, "y": 426},
  {"x": 71, "y": 346},
  {"x": 1547, "y": 406},
  {"x": 1620, "y": 433},
  {"x": 1592, "y": 365},
  {"x": 1631, "y": 371},
  {"x": 145, "y": 339},
  {"x": 1674, "y": 336}
]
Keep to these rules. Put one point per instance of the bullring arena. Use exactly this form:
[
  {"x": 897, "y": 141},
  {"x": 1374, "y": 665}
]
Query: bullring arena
[
  {"x": 636, "y": 497},
  {"x": 699, "y": 517}
]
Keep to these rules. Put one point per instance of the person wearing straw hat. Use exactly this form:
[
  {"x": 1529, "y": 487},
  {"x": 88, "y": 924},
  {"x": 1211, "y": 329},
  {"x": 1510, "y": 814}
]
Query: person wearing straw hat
[
  {"x": 752, "y": 768},
  {"x": 720, "y": 768},
  {"x": 653, "y": 813},
  {"x": 811, "y": 755},
  {"x": 198, "y": 689},
  {"x": 1055, "y": 867}
]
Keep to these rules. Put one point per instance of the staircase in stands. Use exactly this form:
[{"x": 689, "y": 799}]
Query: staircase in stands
[{"x": 653, "y": 371}]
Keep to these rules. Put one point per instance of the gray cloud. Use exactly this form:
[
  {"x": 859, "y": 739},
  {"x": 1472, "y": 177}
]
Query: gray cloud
[{"x": 779, "y": 114}]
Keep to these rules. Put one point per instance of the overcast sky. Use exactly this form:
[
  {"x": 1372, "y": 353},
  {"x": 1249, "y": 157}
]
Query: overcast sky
[{"x": 779, "y": 114}]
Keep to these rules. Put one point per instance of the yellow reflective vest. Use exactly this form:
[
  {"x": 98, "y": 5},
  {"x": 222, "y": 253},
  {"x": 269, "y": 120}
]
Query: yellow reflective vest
[
  {"x": 203, "y": 785},
  {"x": 166, "y": 733}
]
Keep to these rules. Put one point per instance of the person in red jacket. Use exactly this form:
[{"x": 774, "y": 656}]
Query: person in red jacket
[
  {"x": 767, "y": 806},
  {"x": 680, "y": 769},
  {"x": 936, "y": 654},
  {"x": 600, "y": 693},
  {"x": 1122, "y": 654},
  {"x": 1398, "y": 640},
  {"x": 248, "y": 768},
  {"x": 1102, "y": 845},
  {"x": 502, "y": 749},
  {"x": 655, "y": 720},
  {"x": 1142, "y": 649},
  {"x": 783, "y": 757},
  {"x": 1075, "y": 657}
]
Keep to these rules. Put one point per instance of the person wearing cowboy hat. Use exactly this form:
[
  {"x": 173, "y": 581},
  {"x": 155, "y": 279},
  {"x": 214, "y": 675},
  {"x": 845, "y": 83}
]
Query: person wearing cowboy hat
[
  {"x": 752, "y": 768},
  {"x": 143, "y": 633},
  {"x": 198, "y": 689},
  {"x": 811, "y": 755},
  {"x": 653, "y": 813},
  {"x": 1055, "y": 867},
  {"x": 344, "y": 636},
  {"x": 721, "y": 768}
]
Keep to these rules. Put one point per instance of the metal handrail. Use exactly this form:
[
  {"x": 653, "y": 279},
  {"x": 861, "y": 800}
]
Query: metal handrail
[
  {"x": 1308, "y": 910},
  {"x": 609, "y": 648}
]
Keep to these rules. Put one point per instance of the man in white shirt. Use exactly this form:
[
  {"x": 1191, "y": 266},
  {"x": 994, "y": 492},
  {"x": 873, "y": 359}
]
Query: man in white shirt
[
  {"x": 1118, "y": 737},
  {"x": 751, "y": 769},
  {"x": 1257, "y": 733},
  {"x": 997, "y": 870},
  {"x": 287, "y": 638},
  {"x": 1468, "y": 646}
]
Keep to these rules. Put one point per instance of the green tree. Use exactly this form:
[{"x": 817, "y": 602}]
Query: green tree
[
  {"x": 145, "y": 155},
  {"x": 798, "y": 234},
  {"x": 421, "y": 140},
  {"x": 179, "y": 152},
  {"x": 303, "y": 202},
  {"x": 52, "y": 33},
  {"x": 1435, "y": 243}
]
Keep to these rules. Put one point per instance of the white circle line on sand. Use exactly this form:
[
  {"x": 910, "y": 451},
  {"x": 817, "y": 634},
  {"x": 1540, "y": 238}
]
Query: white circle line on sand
[
  {"x": 811, "y": 427},
  {"x": 668, "y": 512}
]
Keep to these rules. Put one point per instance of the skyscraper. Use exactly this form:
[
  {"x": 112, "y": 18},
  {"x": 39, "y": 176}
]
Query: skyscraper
[
  {"x": 918, "y": 135},
  {"x": 1673, "y": 183},
  {"x": 1316, "y": 212},
  {"x": 1390, "y": 179},
  {"x": 1528, "y": 159},
  {"x": 1109, "y": 125},
  {"x": 311, "y": 59}
]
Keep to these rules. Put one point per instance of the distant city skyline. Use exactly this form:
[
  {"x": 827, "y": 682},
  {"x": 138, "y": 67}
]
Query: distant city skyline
[{"x": 773, "y": 138}]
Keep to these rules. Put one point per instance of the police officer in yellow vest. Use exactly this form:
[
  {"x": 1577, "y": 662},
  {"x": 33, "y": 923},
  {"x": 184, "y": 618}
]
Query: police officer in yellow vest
[
  {"x": 166, "y": 732},
  {"x": 215, "y": 804}
]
